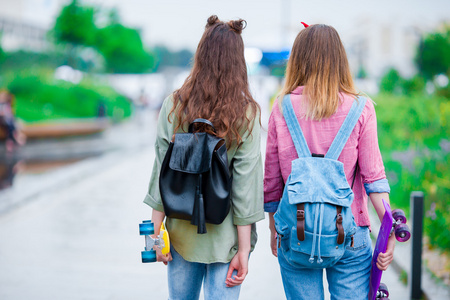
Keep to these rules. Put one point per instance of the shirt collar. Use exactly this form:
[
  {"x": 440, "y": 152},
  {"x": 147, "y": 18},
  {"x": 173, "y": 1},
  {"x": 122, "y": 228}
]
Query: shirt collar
[{"x": 298, "y": 90}]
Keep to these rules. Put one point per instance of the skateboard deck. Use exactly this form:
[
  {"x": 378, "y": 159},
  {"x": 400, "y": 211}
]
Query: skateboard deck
[
  {"x": 162, "y": 241},
  {"x": 391, "y": 220}
]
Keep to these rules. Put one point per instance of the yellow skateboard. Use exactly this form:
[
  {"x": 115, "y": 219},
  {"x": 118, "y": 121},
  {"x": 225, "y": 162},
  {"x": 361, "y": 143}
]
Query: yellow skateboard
[{"x": 162, "y": 241}]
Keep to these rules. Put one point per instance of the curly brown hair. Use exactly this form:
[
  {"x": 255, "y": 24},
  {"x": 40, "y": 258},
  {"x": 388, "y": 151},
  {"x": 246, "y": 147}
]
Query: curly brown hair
[{"x": 217, "y": 86}]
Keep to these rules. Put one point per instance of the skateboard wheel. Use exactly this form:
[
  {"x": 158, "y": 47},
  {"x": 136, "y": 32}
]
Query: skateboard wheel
[
  {"x": 383, "y": 291},
  {"x": 146, "y": 228},
  {"x": 402, "y": 232},
  {"x": 148, "y": 256},
  {"x": 399, "y": 215}
]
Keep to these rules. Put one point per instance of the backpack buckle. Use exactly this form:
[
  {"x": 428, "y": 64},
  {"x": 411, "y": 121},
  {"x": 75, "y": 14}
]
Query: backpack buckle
[
  {"x": 340, "y": 228},
  {"x": 301, "y": 222}
]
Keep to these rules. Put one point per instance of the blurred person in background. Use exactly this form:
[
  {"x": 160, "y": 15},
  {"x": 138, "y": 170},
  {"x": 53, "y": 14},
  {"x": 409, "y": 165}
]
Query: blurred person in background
[
  {"x": 8, "y": 123},
  {"x": 322, "y": 91},
  {"x": 217, "y": 90}
]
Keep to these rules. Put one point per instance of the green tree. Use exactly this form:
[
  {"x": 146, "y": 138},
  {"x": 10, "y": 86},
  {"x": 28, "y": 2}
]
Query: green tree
[
  {"x": 75, "y": 25},
  {"x": 123, "y": 49},
  {"x": 74, "y": 28},
  {"x": 391, "y": 82},
  {"x": 120, "y": 46},
  {"x": 433, "y": 54}
]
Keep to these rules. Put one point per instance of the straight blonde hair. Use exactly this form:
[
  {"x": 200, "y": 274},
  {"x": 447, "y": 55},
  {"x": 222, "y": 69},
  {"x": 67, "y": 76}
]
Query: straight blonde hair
[{"x": 318, "y": 61}]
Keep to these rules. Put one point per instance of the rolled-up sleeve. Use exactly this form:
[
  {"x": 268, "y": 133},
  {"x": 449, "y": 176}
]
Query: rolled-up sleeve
[
  {"x": 378, "y": 186},
  {"x": 369, "y": 156},
  {"x": 273, "y": 180},
  {"x": 153, "y": 197},
  {"x": 247, "y": 187}
]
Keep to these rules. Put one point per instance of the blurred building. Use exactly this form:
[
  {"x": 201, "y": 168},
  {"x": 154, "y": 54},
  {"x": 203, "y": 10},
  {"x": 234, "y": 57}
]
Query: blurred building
[
  {"x": 17, "y": 35},
  {"x": 374, "y": 46},
  {"x": 24, "y": 23}
]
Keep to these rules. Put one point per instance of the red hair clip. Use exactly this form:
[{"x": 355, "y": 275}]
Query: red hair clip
[{"x": 304, "y": 24}]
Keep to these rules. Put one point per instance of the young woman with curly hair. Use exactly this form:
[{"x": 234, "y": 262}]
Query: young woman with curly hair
[{"x": 217, "y": 90}]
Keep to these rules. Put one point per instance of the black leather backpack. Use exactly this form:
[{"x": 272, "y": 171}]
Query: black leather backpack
[{"x": 195, "y": 181}]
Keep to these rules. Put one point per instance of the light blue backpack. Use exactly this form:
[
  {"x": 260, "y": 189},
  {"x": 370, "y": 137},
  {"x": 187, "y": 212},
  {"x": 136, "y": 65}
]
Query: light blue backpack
[{"x": 314, "y": 220}]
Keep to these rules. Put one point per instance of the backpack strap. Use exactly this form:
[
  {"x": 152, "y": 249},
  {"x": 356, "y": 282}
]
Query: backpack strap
[
  {"x": 294, "y": 128},
  {"x": 346, "y": 129},
  {"x": 200, "y": 120}
]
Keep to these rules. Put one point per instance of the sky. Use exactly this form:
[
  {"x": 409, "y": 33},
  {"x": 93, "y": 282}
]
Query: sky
[{"x": 272, "y": 24}]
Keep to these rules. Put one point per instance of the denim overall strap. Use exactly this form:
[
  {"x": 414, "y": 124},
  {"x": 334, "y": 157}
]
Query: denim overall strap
[
  {"x": 346, "y": 129},
  {"x": 294, "y": 128}
]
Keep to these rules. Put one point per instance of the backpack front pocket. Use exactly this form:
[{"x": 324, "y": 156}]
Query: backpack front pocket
[{"x": 317, "y": 253}]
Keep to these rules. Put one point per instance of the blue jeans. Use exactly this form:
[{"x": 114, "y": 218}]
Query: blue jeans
[
  {"x": 186, "y": 278},
  {"x": 349, "y": 278}
]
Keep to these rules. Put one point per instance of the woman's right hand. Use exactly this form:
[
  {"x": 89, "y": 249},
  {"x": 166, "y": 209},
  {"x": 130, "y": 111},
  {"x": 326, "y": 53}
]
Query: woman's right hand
[
  {"x": 161, "y": 257},
  {"x": 157, "y": 218}
]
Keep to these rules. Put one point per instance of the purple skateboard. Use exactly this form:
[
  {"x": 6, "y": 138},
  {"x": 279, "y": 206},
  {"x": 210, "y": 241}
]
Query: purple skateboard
[{"x": 392, "y": 221}]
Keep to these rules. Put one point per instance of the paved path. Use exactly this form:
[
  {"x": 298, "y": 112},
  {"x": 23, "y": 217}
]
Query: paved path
[{"x": 78, "y": 239}]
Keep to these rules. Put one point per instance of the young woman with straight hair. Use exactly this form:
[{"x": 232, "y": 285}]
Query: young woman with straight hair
[
  {"x": 321, "y": 88},
  {"x": 217, "y": 90}
]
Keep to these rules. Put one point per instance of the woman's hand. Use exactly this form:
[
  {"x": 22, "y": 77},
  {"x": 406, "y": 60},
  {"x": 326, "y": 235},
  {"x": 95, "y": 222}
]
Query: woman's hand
[
  {"x": 385, "y": 259},
  {"x": 161, "y": 257},
  {"x": 273, "y": 243},
  {"x": 240, "y": 264},
  {"x": 273, "y": 235},
  {"x": 157, "y": 219}
]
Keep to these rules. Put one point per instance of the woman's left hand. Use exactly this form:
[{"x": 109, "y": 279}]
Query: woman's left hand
[
  {"x": 239, "y": 263},
  {"x": 385, "y": 259}
]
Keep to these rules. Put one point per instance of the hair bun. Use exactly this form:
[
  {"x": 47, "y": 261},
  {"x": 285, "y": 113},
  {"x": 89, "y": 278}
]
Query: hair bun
[
  {"x": 212, "y": 20},
  {"x": 238, "y": 25}
]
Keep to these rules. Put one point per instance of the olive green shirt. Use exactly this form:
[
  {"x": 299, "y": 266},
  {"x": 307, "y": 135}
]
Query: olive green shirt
[{"x": 220, "y": 243}]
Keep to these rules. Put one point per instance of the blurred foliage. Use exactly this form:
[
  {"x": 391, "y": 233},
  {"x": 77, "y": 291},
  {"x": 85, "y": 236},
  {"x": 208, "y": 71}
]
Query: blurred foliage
[
  {"x": 362, "y": 73},
  {"x": 40, "y": 97},
  {"x": 120, "y": 46},
  {"x": 168, "y": 58},
  {"x": 123, "y": 50},
  {"x": 277, "y": 70},
  {"x": 2, "y": 56},
  {"x": 23, "y": 59},
  {"x": 75, "y": 25},
  {"x": 390, "y": 82},
  {"x": 414, "y": 128},
  {"x": 443, "y": 91},
  {"x": 433, "y": 54},
  {"x": 413, "y": 136},
  {"x": 414, "y": 85},
  {"x": 393, "y": 83}
]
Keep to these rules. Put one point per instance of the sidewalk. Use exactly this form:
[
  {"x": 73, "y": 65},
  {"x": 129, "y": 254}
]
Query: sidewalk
[
  {"x": 73, "y": 233},
  {"x": 80, "y": 240}
]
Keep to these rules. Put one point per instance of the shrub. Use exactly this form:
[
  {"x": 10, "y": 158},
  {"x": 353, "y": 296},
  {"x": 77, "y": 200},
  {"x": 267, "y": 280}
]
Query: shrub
[
  {"x": 39, "y": 98},
  {"x": 413, "y": 136}
]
